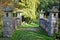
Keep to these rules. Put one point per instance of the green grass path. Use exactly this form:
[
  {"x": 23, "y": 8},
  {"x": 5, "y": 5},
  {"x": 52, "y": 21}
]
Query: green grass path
[{"x": 30, "y": 35}]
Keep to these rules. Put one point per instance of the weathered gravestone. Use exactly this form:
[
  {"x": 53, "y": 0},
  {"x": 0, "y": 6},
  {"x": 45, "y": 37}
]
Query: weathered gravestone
[{"x": 8, "y": 22}]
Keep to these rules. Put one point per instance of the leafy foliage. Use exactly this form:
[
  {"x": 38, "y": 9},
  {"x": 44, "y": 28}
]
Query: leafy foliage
[
  {"x": 45, "y": 4},
  {"x": 29, "y": 7}
]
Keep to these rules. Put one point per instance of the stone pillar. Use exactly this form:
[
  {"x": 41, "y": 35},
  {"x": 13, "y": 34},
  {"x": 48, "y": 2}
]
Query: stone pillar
[
  {"x": 56, "y": 16},
  {"x": 42, "y": 14},
  {"x": 56, "y": 28},
  {"x": 53, "y": 28},
  {"x": 51, "y": 17},
  {"x": 8, "y": 22},
  {"x": 19, "y": 15},
  {"x": 51, "y": 20},
  {"x": 18, "y": 19}
]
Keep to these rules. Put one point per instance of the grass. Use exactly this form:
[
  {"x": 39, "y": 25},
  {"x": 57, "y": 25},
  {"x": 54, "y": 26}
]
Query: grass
[
  {"x": 0, "y": 38},
  {"x": 25, "y": 25},
  {"x": 30, "y": 35}
]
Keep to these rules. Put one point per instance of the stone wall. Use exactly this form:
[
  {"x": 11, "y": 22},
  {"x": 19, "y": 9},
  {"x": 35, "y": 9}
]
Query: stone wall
[
  {"x": 50, "y": 24},
  {"x": 10, "y": 22}
]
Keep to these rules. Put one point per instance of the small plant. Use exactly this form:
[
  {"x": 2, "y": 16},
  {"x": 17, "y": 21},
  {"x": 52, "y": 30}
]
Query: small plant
[{"x": 57, "y": 36}]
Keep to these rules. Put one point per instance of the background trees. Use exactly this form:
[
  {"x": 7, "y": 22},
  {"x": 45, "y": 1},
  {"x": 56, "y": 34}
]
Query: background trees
[
  {"x": 30, "y": 7},
  {"x": 45, "y": 4}
]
